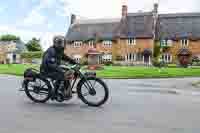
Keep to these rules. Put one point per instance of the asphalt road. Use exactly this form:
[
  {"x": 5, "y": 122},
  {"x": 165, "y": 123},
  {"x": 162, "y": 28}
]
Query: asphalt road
[{"x": 139, "y": 106}]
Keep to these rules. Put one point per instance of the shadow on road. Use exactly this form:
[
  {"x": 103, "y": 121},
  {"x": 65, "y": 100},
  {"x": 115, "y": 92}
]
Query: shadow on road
[{"x": 63, "y": 105}]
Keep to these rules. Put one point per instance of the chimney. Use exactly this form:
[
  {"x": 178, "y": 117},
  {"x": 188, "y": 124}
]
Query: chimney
[
  {"x": 124, "y": 11},
  {"x": 73, "y": 19},
  {"x": 155, "y": 10}
]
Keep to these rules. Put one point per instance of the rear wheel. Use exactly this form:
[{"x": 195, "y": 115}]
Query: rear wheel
[
  {"x": 38, "y": 91},
  {"x": 96, "y": 99}
]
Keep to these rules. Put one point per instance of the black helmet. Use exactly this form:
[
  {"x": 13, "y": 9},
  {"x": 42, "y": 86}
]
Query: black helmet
[{"x": 59, "y": 42}]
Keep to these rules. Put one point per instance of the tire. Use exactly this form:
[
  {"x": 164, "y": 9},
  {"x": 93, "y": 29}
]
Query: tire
[
  {"x": 101, "y": 82},
  {"x": 28, "y": 92}
]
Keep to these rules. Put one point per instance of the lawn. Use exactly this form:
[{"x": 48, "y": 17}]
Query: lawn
[
  {"x": 15, "y": 69},
  {"x": 144, "y": 72},
  {"x": 119, "y": 72}
]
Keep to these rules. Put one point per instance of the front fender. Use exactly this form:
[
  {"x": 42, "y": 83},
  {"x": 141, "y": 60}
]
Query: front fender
[{"x": 82, "y": 81}]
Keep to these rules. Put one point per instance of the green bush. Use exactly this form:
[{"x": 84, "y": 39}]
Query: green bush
[
  {"x": 84, "y": 61},
  {"x": 156, "y": 53},
  {"x": 108, "y": 63},
  {"x": 32, "y": 55},
  {"x": 171, "y": 65},
  {"x": 156, "y": 62},
  {"x": 9, "y": 37}
]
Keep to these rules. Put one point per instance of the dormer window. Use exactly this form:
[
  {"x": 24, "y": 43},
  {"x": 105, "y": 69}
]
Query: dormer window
[
  {"x": 166, "y": 43},
  {"x": 184, "y": 43},
  {"x": 77, "y": 44},
  {"x": 131, "y": 41},
  {"x": 107, "y": 43}
]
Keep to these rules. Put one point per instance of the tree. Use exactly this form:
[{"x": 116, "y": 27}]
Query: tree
[
  {"x": 33, "y": 45},
  {"x": 156, "y": 53},
  {"x": 156, "y": 50},
  {"x": 9, "y": 37}
]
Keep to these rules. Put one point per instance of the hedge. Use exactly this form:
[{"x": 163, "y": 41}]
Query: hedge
[{"x": 32, "y": 55}]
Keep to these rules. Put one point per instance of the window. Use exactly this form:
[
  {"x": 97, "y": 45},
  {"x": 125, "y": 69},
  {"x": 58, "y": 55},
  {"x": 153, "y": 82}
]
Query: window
[
  {"x": 77, "y": 58},
  {"x": 167, "y": 58},
  {"x": 130, "y": 57},
  {"x": 169, "y": 42},
  {"x": 184, "y": 43},
  {"x": 139, "y": 57},
  {"x": 166, "y": 43},
  {"x": 77, "y": 44},
  {"x": 107, "y": 43},
  {"x": 107, "y": 57},
  {"x": 91, "y": 44},
  {"x": 131, "y": 41}
]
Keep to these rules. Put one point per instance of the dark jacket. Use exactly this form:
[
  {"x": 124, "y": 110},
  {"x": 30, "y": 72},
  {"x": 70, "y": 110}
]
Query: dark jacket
[{"x": 52, "y": 59}]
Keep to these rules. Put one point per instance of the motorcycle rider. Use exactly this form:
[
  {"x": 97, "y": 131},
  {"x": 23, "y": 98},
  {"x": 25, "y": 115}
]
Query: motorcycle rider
[{"x": 52, "y": 60}]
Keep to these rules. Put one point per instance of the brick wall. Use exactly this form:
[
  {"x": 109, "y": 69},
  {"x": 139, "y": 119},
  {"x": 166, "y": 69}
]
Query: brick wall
[
  {"x": 121, "y": 48},
  {"x": 194, "y": 47}
]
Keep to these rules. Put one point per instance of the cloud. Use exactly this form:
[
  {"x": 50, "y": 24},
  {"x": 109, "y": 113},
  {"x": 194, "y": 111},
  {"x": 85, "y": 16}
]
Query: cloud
[
  {"x": 112, "y": 8},
  {"x": 49, "y": 25},
  {"x": 45, "y": 37},
  {"x": 60, "y": 13},
  {"x": 46, "y": 4},
  {"x": 34, "y": 18},
  {"x": 94, "y": 8},
  {"x": 2, "y": 9},
  {"x": 170, "y": 6}
]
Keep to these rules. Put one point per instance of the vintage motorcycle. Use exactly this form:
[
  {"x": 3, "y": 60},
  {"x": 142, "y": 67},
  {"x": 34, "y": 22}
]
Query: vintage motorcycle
[{"x": 90, "y": 89}]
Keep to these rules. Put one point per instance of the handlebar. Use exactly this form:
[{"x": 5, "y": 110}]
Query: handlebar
[{"x": 74, "y": 67}]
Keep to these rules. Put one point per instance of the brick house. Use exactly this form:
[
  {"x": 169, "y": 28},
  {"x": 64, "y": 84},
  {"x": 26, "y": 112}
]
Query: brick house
[
  {"x": 180, "y": 35},
  {"x": 130, "y": 39},
  {"x": 10, "y": 51}
]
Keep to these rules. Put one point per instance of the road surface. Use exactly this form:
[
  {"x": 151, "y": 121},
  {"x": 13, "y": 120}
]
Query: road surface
[{"x": 139, "y": 106}]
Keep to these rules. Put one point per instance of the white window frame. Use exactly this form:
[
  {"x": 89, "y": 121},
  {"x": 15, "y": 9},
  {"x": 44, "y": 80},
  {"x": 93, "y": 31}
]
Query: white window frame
[
  {"x": 77, "y": 58},
  {"x": 131, "y": 41},
  {"x": 131, "y": 57},
  {"x": 184, "y": 42},
  {"x": 107, "y": 57},
  {"x": 167, "y": 58},
  {"x": 107, "y": 43},
  {"x": 77, "y": 44},
  {"x": 91, "y": 44},
  {"x": 167, "y": 42}
]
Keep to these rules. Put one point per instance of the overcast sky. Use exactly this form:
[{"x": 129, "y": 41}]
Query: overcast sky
[{"x": 46, "y": 18}]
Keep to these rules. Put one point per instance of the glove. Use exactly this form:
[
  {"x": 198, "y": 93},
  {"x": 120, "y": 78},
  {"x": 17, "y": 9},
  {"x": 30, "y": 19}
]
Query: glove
[{"x": 77, "y": 67}]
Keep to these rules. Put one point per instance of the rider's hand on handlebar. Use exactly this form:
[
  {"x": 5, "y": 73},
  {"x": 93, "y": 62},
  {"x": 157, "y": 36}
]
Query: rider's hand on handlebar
[
  {"x": 68, "y": 74},
  {"x": 77, "y": 67}
]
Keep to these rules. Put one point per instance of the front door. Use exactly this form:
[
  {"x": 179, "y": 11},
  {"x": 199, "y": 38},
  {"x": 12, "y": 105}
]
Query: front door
[
  {"x": 184, "y": 60},
  {"x": 93, "y": 59},
  {"x": 146, "y": 58}
]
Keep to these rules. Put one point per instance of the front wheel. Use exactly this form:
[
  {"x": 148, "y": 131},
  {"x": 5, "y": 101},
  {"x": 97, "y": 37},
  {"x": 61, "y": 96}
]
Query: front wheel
[{"x": 101, "y": 91}]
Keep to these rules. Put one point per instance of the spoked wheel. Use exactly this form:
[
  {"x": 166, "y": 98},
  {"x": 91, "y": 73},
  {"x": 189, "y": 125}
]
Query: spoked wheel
[
  {"x": 96, "y": 97},
  {"x": 38, "y": 91}
]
